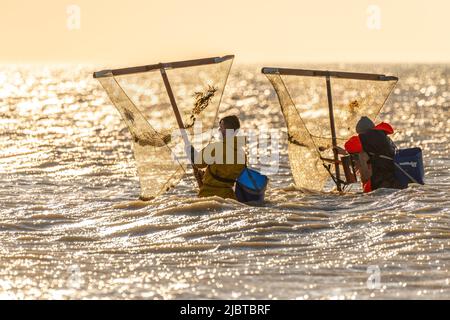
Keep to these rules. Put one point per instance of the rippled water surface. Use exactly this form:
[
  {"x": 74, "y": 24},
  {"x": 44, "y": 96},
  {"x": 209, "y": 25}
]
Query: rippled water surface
[{"x": 71, "y": 225}]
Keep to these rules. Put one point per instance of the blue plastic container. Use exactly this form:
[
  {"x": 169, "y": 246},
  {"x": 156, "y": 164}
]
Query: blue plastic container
[
  {"x": 251, "y": 186},
  {"x": 410, "y": 160}
]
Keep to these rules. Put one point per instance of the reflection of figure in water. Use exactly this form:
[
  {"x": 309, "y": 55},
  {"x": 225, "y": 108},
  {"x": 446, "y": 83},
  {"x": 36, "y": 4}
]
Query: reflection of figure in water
[
  {"x": 220, "y": 176},
  {"x": 371, "y": 145}
]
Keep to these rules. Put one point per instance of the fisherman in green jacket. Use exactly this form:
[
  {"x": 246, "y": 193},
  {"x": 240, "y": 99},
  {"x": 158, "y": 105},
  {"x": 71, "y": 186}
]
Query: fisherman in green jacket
[{"x": 223, "y": 161}]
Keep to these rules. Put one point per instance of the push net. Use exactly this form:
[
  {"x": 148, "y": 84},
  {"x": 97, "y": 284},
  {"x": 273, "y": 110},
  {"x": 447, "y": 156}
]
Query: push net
[
  {"x": 305, "y": 104},
  {"x": 142, "y": 95}
]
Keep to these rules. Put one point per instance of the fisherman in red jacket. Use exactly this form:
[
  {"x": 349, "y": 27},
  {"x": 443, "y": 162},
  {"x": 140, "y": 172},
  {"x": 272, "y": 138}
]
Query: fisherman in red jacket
[{"x": 372, "y": 142}]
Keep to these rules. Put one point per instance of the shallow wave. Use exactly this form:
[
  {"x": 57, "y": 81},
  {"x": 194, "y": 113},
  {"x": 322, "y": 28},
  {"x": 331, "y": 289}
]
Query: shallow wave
[{"x": 69, "y": 202}]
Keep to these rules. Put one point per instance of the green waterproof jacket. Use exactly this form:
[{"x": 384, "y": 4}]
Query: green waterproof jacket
[{"x": 221, "y": 159}]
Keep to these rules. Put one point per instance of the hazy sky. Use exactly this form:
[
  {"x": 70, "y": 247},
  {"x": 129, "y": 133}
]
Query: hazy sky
[{"x": 139, "y": 32}]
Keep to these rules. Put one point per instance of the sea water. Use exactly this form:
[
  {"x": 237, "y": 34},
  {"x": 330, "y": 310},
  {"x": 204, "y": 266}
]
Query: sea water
[{"x": 71, "y": 224}]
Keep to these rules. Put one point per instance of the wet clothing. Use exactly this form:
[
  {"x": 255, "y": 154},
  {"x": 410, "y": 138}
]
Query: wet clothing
[
  {"x": 226, "y": 171},
  {"x": 375, "y": 142}
]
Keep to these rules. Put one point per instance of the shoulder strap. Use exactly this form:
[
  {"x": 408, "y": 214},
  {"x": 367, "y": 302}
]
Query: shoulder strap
[
  {"x": 385, "y": 157},
  {"x": 218, "y": 178},
  {"x": 399, "y": 167},
  {"x": 380, "y": 156}
]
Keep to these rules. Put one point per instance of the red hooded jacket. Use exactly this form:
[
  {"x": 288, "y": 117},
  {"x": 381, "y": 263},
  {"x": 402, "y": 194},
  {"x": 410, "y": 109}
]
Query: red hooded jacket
[{"x": 353, "y": 145}]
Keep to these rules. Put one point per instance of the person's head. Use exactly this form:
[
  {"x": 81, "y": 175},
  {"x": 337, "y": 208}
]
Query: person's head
[
  {"x": 230, "y": 123},
  {"x": 364, "y": 124}
]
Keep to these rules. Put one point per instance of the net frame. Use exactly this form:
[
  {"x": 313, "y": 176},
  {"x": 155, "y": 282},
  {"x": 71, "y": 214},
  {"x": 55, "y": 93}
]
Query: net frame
[
  {"x": 163, "y": 67},
  {"x": 328, "y": 75}
]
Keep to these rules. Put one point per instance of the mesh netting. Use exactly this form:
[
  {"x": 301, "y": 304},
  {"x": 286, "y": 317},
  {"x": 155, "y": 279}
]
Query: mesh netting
[
  {"x": 304, "y": 103},
  {"x": 143, "y": 102}
]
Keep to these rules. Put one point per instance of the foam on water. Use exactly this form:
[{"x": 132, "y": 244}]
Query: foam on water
[{"x": 71, "y": 225}]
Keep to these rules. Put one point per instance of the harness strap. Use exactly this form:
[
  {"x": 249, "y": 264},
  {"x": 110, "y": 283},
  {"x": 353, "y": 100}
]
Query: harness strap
[
  {"x": 397, "y": 165},
  {"x": 405, "y": 173},
  {"x": 219, "y": 178}
]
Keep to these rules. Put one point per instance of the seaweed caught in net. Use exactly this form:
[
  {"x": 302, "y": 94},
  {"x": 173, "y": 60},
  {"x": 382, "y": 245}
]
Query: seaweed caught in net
[
  {"x": 140, "y": 96},
  {"x": 202, "y": 100},
  {"x": 304, "y": 104}
]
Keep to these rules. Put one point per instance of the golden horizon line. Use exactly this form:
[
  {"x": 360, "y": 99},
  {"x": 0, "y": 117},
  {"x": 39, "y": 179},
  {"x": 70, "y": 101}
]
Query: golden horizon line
[{"x": 237, "y": 61}]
